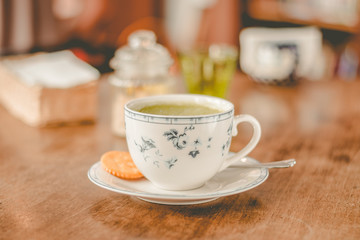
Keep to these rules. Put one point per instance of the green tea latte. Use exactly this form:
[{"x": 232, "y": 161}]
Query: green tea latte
[{"x": 180, "y": 109}]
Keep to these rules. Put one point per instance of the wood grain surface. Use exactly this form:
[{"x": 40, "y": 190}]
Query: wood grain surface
[{"x": 45, "y": 192}]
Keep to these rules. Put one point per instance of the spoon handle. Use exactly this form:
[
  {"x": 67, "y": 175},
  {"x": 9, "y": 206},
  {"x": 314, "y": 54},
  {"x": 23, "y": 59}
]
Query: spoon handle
[{"x": 276, "y": 164}]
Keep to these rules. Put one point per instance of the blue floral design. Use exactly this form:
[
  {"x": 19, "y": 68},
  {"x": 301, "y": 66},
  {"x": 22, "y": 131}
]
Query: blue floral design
[
  {"x": 227, "y": 144},
  {"x": 194, "y": 153},
  {"x": 197, "y": 142},
  {"x": 209, "y": 141},
  {"x": 170, "y": 163},
  {"x": 179, "y": 140},
  {"x": 146, "y": 144},
  {"x": 229, "y": 131}
]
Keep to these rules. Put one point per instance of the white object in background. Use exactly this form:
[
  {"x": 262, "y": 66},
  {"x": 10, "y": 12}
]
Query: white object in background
[
  {"x": 183, "y": 19},
  {"x": 275, "y": 53},
  {"x": 52, "y": 70},
  {"x": 49, "y": 89}
]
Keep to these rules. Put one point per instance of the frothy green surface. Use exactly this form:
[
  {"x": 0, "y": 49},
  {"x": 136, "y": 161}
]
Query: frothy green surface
[{"x": 184, "y": 109}]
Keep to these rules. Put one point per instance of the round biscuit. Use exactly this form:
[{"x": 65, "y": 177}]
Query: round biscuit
[{"x": 120, "y": 164}]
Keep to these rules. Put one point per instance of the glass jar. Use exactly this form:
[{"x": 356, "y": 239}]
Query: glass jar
[{"x": 141, "y": 68}]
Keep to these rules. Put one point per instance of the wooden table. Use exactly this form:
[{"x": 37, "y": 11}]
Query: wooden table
[{"x": 45, "y": 192}]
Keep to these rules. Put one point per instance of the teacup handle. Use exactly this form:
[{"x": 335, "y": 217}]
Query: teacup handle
[{"x": 250, "y": 146}]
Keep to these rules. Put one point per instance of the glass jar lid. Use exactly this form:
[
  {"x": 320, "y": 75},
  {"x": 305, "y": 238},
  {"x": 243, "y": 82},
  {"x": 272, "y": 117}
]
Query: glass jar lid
[{"x": 142, "y": 52}]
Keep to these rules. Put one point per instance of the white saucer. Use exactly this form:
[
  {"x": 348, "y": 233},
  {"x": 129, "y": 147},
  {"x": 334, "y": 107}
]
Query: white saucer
[{"x": 228, "y": 182}]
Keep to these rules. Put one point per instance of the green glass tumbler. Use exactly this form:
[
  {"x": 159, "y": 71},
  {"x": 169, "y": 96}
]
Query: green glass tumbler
[{"x": 209, "y": 71}]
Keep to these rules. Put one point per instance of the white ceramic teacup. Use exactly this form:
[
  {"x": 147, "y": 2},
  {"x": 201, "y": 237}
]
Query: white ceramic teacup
[{"x": 183, "y": 152}]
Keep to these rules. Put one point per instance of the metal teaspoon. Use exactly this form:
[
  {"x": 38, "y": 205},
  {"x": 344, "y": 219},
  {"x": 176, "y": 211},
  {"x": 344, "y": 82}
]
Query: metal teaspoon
[{"x": 277, "y": 164}]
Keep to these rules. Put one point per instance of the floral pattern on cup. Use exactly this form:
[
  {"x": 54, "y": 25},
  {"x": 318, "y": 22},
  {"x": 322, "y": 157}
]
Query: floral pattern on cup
[
  {"x": 226, "y": 145},
  {"x": 181, "y": 140}
]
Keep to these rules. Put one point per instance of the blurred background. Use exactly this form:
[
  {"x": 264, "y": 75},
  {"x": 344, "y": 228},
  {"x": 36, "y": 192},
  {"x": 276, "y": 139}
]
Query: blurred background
[{"x": 94, "y": 29}]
